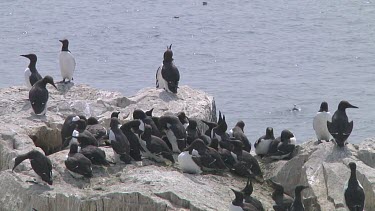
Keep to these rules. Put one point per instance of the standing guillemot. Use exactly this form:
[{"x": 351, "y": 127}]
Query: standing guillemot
[
  {"x": 320, "y": 123},
  {"x": 39, "y": 162},
  {"x": 175, "y": 132},
  {"x": 192, "y": 132},
  {"x": 133, "y": 139},
  {"x": 141, "y": 115},
  {"x": 167, "y": 75},
  {"x": 340, "y": 127},
  {"x": 119, "y": 142},
  {"x": 353, "y": 191},
  {"x": 31, "y": 73},
  {"x": 66, "y": 61},
  {"x": 38, "y": 95}
]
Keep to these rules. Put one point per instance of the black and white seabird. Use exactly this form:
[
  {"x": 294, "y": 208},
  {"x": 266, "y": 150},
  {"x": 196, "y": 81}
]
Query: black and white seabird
[
  {"x": 247, "y": 191},
  {"x": 238, "y": 133},
  {"x": 141, "y": 115},
  {"x": 78, "y": 165},
  {"x": 188, "y": 160},
  {"x": 133, "y": 139},
  {"x": 263, "y": 143},
  {"x": 115, "y": 114},
  {"x": 192, "y": 132},
  {"x": 220, "y": 133},
  {"x": 282, "y": 147},
  {"x": 246, "y": 165},
  {"x": 167, "y": 75},
  {"x": 40, "y": 164},
  {"x": 119, "y": 142},
  {"x": 84, "y": 136},
  {"x": 238, "y": 203},
  {"x": 228, "y": 157},
  {"x": 68, "y": 127},
  {"x": 98, "y": 130},
  {"x": 95, "y": 154},
  {"x": 353, "y": 192},
  {"x": 320, "y": 123},
  {"x": 340, "y": 127},
  {"x": 297, "y": 204},
  {"x": 66, "y": 61},
  {"x": 211, "y": 125},
  {"x": 31, "y": 73},
  {"x": 183, "y": 119},
  {"x": 282, "y": 201},
  {"x": 175, "y": 132},
  {"x": 38, "y": 95},
  {"x": 199, "y": 157},
  {"x": 154, "y": 147}
]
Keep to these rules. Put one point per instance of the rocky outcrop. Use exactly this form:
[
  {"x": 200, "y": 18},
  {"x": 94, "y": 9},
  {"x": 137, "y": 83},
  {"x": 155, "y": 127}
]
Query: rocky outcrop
[
  {"x": 26, "y": 129},
  {"x": 139, "y": 186},
  {"x": 145, "y": 185},
  {"x": 324, "y": 168}
]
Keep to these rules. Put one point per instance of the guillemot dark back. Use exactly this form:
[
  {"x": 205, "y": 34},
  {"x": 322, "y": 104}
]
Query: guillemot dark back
[
  {"x": 39, "y": 162},
  {"x": 31, "y": 73},
  {"x": 119, "y": 142},
  {"x": 78, "y": 164},
  {"x": 38, "y": 95},
  {"x": 340, "y": 127},
  {"x": 167, "y": 75}
]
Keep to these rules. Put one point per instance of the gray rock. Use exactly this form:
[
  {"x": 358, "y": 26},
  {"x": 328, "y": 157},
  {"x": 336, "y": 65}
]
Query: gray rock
[
  {"x": 324, "y": 168},
  {"x": 146, "y": 185},
  {"x": 139, "y": 186}
]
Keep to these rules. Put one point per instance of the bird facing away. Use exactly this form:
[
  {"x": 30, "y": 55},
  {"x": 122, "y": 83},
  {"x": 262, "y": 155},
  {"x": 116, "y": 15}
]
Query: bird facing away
[
  {"x": 354, "y": 194},
  {"x": 66, "y": 61},
  {"x": 31, "y": 73},
  {"x": 40, "y": 164},
  {"x": 167, "y": 75},
  {"x": 38, "y": 95},
  {"x": 340, "y": 127}
]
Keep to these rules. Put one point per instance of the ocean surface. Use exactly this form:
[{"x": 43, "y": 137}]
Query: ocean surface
[{"x": 257, "y": 58}]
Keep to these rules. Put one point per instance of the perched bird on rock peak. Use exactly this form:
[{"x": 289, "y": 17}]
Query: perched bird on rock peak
[
  {"x": 167, "y": 75},
  {"x": 340, "y": 127}
]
